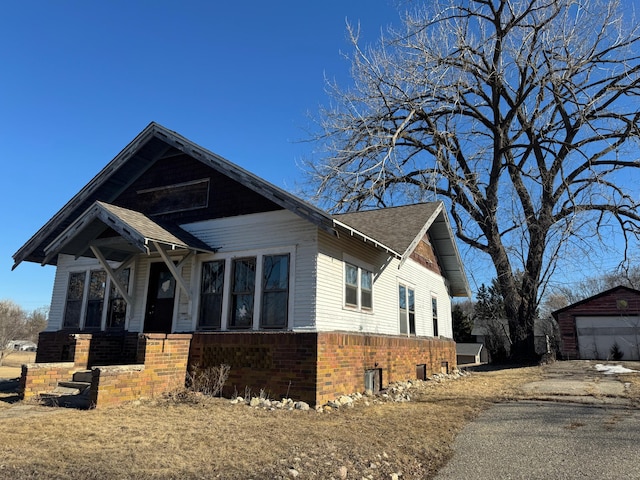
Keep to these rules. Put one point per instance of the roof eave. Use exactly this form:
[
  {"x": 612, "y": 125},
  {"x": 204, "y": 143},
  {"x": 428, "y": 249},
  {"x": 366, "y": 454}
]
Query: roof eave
[
  {"x": 123, "y": 156},
  {"x": 353, "y": 232}
]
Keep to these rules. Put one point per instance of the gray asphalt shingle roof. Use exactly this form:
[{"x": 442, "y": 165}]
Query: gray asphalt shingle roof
[
  {"x": 395, "y": 227},
  {"x": 135, "y": 227}
]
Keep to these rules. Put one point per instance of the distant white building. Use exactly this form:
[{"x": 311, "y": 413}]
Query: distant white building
[{"x": 22, "y": 345}]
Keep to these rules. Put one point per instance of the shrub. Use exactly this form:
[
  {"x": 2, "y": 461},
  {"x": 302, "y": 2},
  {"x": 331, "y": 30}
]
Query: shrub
[
  {"x": 615, "y": 353},
  {"x": 209, "y": 380}
]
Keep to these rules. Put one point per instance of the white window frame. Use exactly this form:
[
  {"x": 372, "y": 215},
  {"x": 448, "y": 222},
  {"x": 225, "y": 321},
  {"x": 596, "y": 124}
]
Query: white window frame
[
  {"x": 434, "y": 320},
  {"x": 360, "y": 266},
  {"x": 408, "y": 286},
  {"x": 228, "y": 258},
  {"x": 85, "y": 297}
]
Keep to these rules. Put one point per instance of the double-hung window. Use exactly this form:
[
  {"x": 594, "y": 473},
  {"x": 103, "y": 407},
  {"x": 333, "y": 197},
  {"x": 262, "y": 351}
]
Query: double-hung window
[
  {"x": 243, "y": 278},
  {"x": 95, "y": 299},
  {"x": 248, "y": 292},
  {"x": 211, "y": 290},
  {"x": 358, "y": 287},
  {"x": 87, "y": 304},
  {"x": 117, "y": 309},
  {"x": 407, "y": 309},
  {"x": 75, "y": 296},
  {"x": 275, "y": 291},
  {"x": 434, "y": 314}
]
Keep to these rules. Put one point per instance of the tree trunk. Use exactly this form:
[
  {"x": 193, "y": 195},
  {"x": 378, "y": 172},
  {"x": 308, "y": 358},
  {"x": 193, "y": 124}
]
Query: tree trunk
[{"x": 520, "y": 304}]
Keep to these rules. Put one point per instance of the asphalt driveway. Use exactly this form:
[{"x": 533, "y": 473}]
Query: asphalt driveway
[{"x": 579, "y": 426}]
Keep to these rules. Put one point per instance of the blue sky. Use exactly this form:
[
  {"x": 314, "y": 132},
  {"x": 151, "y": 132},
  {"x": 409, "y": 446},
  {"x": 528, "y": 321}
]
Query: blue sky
[{"x": 80, "y": 79}]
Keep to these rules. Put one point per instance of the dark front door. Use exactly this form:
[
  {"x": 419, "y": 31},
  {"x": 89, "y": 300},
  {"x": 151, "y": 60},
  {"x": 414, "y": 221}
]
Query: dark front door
[{"x": 162, "y": 289}]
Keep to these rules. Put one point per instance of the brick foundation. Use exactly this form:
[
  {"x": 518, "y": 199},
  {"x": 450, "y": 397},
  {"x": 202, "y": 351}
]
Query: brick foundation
[
  {"x": 343, "y": 359},
  {"x": 281, "y": 363},
  {"x": 162, "y": 369},
  {"x": 316, "y": 367}
]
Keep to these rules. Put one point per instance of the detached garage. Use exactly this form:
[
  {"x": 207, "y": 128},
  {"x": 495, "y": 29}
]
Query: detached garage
[{"x": 590, "y": 328}]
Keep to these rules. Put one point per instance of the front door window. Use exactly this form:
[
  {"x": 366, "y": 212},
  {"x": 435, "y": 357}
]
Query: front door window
[{"x": 160, "y": 299}]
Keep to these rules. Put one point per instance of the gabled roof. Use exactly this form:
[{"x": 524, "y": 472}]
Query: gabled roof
[
  {"x": 131, "y": 162},
  {"x": 135, "y": 233},
  {"x": 400, "y": 229},
  {"x": 84, "y": 217},
  {"x": 595, "y": 297},
  {"x": 396, "y": 227},
  {"x": 468, "y": 348}
]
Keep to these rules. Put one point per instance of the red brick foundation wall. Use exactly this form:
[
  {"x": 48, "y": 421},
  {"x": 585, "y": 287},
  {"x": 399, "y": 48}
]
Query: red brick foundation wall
[
  {"x": 316, "y": 367},
  {"x": 343, "y": 359},
  {"x": 281, "y": 363},
  {"x": 54, "y": 347},
  {"x": 163, "y": 368}
]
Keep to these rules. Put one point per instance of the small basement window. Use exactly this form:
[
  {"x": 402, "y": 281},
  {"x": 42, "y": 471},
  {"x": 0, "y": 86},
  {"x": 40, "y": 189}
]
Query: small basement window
[
  {"x": 421, "y": 371},
  {"x": 373, "y": 380}
]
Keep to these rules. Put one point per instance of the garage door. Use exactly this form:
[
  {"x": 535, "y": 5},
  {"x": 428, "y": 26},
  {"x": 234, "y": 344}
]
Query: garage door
[{"x": 596, "y": 336}]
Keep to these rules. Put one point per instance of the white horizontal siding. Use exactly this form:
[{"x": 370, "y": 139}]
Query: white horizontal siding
[
  {"x": 183, "y": 322},
  {"x": 250, "y": 234},
  {"x": 331, "y": 313},
  {"x": 267, "y": 232},
  {"x": 139, "y": 294}
]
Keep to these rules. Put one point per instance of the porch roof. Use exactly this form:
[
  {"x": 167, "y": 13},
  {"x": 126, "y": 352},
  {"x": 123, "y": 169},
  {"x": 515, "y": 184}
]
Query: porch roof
[{"x": 118, "y": 233}]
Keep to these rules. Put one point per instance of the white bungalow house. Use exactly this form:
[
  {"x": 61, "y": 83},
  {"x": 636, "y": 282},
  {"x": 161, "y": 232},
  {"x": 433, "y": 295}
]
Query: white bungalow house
[{"x": 170, "y": 238}]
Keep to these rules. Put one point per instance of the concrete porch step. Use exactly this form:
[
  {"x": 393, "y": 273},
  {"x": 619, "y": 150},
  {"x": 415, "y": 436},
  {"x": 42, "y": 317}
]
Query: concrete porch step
[
  {"x": 80, "y": 387},
  {"x": 62, "y": 400},
  {"x": 72, "y": 394}
]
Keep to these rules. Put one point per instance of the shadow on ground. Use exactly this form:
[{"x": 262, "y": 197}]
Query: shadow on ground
[{"x": 9, "y": 390}]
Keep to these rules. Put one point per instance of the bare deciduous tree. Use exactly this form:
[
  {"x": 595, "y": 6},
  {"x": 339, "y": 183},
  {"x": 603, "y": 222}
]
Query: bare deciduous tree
[
  {"x": 522, "y": 114},
  {"x": 12, "y": 323}
]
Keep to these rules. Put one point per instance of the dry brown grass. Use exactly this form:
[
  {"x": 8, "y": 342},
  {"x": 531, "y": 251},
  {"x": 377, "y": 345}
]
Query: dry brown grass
[
  {"x": 210, "y": 438},
  {"x": 12, "y": 363}
]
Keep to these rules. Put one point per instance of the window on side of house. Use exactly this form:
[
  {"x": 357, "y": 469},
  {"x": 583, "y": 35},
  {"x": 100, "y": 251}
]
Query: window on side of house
[
  {"x": 350, "y": 285},
  {"x": 366, "y": 289},
  {"x": 243, "y": 277},
  {"x": 211, "y": 291},
  {"x": 117, "y": 308},
  {"x": 406, "y": 310},
  {"x": 358, "y": 287},
  {"x": 75, "y": 295},
  {"x": 95, "y": 299},
  {"x": 434, "y": 314},
  {"x": 402, "y": 307},
  {"x": 275, "y": 291}
]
